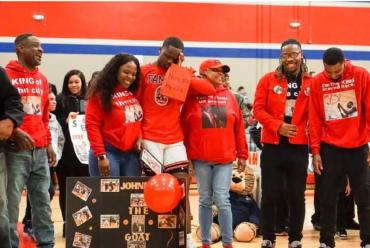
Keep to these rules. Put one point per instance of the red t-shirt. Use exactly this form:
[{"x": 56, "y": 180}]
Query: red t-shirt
[{"x": 161, "y": 121}]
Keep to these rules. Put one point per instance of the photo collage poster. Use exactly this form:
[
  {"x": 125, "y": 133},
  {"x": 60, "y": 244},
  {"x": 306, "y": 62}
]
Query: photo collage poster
[{"x": 113, "y": 211}]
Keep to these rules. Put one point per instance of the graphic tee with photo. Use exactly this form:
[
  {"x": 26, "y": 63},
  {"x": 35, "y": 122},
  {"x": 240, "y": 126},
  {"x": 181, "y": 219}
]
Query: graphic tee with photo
[{"x": 340, "y": 105}]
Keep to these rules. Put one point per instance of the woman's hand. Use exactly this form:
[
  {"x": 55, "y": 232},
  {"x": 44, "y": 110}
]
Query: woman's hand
[
  {"x": 139, "y": 144},
  {"x": 72, "y": 116},
  {"x": 104, "y": 167}
]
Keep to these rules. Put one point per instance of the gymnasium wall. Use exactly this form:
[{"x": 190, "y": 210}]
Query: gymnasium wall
[{"x": 244, "y": 34}]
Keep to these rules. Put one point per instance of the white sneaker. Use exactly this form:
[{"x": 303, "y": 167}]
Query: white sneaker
[
  {"x": 323, "y": 245},
  {"x": 295, "y": 244},
  {"x": 189, "y": 241}
]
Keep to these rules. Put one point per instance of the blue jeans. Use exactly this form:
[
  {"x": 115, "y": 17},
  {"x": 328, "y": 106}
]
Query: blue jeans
[
  {"x": 213, "y": 182},
  {"x": 121, "y": 163},
  {"x": 30, "y": 168},
  {"x": 4, "y": 219}
]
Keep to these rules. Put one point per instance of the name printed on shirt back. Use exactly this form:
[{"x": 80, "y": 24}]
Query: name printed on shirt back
[{"x": 155, "y": 79}]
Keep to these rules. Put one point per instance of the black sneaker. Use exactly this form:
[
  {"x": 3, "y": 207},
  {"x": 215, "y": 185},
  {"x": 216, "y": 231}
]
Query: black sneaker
[
  {"x": 27, "y": 225},
  {"x": 267, "y": 244},
  {"x": 316, "y": 226},
  {"x": 30, "y": 233},
  {"x": 342, "y": 233}
]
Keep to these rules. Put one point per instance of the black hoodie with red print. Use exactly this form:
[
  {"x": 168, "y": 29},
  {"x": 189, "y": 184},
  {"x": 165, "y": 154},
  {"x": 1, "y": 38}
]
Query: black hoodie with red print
[{"x": 34, "y": 91}]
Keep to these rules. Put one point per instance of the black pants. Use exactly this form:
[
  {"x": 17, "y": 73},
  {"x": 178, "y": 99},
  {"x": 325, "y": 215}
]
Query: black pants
[
  {"x": 282, "y": 211},
  {"x": 343, "y": 202},
  {"x": 67, "y": 168},
  {"x": 345, "y": 207},
  {"x": 278, "y": 161},
  {"x": 338, "y": 162}
]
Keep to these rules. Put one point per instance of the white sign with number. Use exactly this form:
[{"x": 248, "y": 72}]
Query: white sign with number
[{"x": 79, "y": 138}]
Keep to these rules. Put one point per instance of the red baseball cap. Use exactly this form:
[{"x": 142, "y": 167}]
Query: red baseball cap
[{"x": 213, "y": 64}]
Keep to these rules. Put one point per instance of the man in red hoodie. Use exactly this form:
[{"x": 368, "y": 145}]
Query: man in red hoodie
[
  {"x": 339, "y": 124},
  {"x": 161, "y": 130},
  {"x": 29, "y": 152},
  {"x": 281, "y": 106}
]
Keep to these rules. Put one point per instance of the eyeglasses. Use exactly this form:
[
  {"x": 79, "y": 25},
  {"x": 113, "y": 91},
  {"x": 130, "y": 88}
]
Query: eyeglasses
[{"x": 292, "y": 55}]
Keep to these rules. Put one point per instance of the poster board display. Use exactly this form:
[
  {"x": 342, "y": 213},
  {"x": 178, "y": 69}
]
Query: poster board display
[{"x": 111, "y": 212}]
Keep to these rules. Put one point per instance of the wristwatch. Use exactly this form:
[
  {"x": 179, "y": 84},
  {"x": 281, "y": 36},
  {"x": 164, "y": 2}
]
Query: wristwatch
[{"x": 101, "y": 157}]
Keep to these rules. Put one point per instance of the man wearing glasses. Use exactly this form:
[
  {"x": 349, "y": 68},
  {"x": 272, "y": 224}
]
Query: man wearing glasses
[{"x": 281, "y": 106}]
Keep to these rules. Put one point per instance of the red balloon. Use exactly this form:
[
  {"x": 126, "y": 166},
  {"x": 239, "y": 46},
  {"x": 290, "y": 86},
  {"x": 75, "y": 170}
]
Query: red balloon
[{"x": 162, "y": 193}]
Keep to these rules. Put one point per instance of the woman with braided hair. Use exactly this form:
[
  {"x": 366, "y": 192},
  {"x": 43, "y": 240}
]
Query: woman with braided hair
[{"x": 281, "y": 106}]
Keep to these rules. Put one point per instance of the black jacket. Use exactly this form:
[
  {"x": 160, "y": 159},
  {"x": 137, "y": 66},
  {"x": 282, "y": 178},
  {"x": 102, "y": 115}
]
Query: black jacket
[
  {"x": 10, "y": 102},
  {"x": 65, "y": 105}
]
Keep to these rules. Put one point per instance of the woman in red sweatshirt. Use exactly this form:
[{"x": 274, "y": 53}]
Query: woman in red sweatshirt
[
  {"x": 113, "y": 119},
  {"x": 214, "y": 138},
  {"x": 281, "y": 106}
]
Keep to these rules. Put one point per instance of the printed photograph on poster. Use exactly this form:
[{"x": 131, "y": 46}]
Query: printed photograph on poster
[
  {"x": 151, "y": 162},
  {"x": 137, "y": 200},
  {"x": 136, "y": 244},
  {"x": 340, "y": 105},
  {"x": 167, "y": 221},
  {"x": 182, "y": 217},
  {"x": 138, "y": 223},
  {"x": 109, "y": 185},
  {"x": 181, "y": 238},
  {"x": 82, "y": 215},
  {"x": 109, "y": 221},
  {"x": 81, "y": 191},
  {"x": 81, "y": 240}
]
